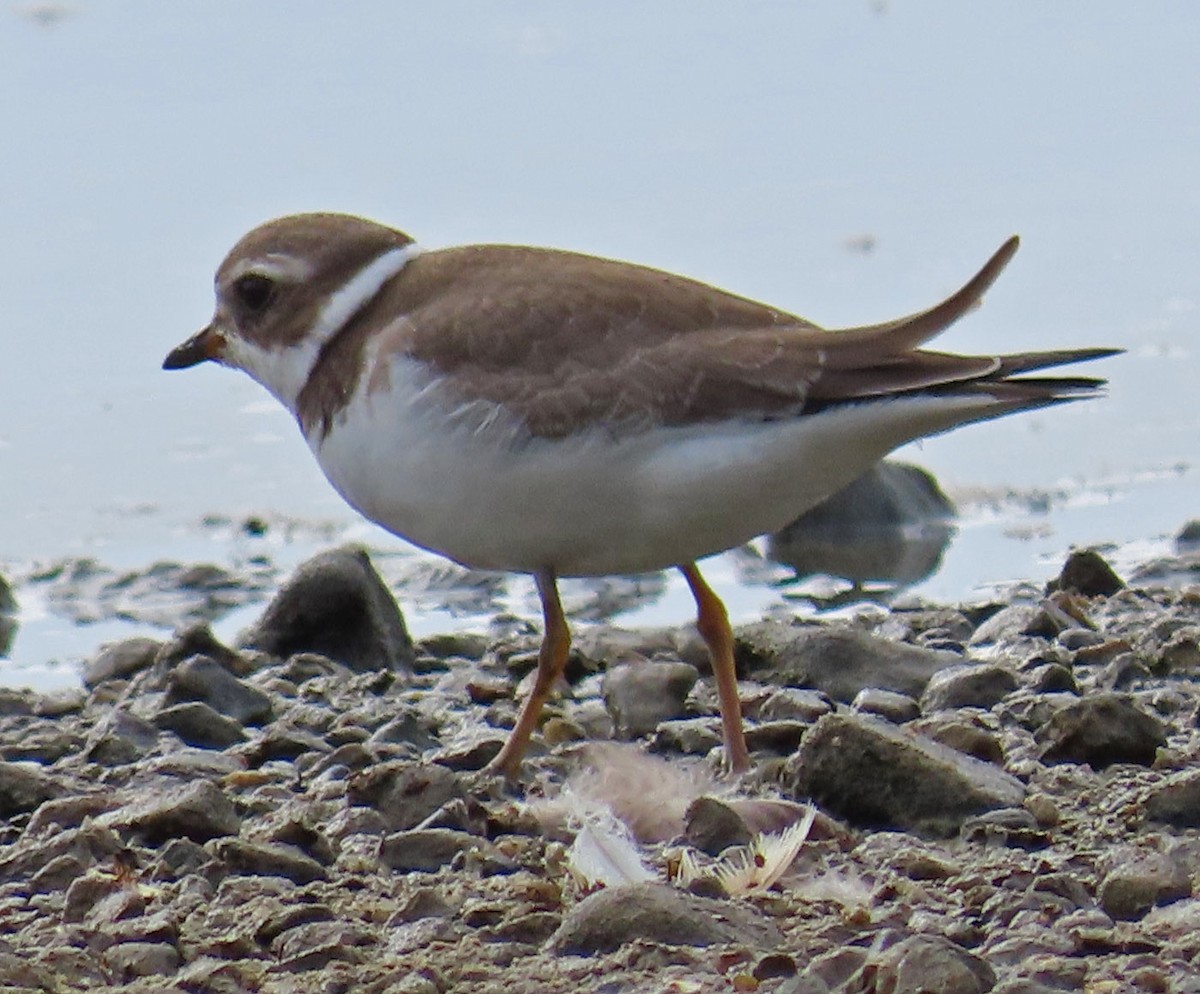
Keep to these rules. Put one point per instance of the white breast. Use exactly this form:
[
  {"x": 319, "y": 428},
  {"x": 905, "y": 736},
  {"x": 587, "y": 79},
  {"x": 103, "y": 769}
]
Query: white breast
[{"x": 464, "y": 481}]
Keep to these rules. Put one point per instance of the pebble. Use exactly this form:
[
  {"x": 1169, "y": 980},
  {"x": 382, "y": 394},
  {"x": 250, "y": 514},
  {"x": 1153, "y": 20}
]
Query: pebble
[
  {"x": 1100, "y": 730},
  {"x": 335, "y": 605},
  {"x": 658, "y": 913},
  {"x": 275, "y": 820},
  {"x": 640, "y": 696},
  {"x": 873, "y": 774}
]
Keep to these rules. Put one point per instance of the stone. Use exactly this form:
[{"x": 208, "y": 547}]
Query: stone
[
  {"x": 1101, "y": 730},
  {"x": 266, "y": 859},
  {"x": 969, "y": 685},
  {"x": 198, "y": 811},
  {"x": 1088, "y": 573},
  {"x": 129, "y": 960},
  {"x": 404, "y": 793},
  {"x": 896, "y": 708},
  {"x": 204, "y": 679},
  {"x": 639, "y": 696},
  {"x": 875, "y": 774},
  {"x": 23, "y": 786},
  {"x": 424, "y": 850},
  {"x": 1137, "y": 879},
  {"x": 121, "y": 660},
  {"x": 1176, "y": 800},
  {"x": 336, "y": 605},
  {"x": 923, "y": 963},
  {"x": 121, "y": 737},
  {"x": 658, "y": 913},
  {"x": 199, "y": 725},
  {"x": 839, "y": 661}
]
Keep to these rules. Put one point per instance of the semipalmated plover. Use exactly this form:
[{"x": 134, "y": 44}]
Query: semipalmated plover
[{"x": 557, "y": 414}]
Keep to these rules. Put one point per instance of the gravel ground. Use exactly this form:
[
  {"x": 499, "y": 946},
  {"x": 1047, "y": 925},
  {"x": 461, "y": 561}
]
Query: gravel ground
[{"x": 1007, "y": 798}]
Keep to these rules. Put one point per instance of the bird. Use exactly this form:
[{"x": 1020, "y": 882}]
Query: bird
[{"x": 557, "y": 414}]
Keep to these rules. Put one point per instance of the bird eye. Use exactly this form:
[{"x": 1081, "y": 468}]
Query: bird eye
[{"x": 254, "y": 291}]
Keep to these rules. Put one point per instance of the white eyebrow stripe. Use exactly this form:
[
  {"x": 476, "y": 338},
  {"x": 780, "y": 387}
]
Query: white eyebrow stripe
[
  {"x": 358, "y": 291},
  {"x": 274, "y": 265}
]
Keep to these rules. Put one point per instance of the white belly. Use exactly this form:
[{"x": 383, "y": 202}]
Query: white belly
[{"x": 480, "y": 493}]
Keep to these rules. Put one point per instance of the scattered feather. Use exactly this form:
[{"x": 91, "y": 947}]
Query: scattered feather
[
  {"x": 647, "y": 793},
  {"x": 758, "y": 867},
  {"x": 604, "y": 855}
]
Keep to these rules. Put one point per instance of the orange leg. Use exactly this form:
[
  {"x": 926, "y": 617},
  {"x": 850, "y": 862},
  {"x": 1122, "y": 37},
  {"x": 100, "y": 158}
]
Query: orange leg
[
  {"x": 552, "y": 660},
  {"x": 713, "y": 624}
]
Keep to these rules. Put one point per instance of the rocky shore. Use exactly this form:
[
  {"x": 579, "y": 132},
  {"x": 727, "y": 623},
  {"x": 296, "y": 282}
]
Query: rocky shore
[{"x": 1007, "y": 798}]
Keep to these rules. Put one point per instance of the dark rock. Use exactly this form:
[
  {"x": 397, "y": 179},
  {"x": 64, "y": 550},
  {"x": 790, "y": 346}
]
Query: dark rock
[
  {"x": 1176, "y": 800},
  {"x": 267, "y": 859},
  {"x": 404, "y": 793},
  {"x": 1101, "y": 730},
  {"x": 838, "y": 661},
  {"x": 639, "y": 696},
  {"x": 336, "y": 605},
  {"x": 778, "y": 737},
  {"x": 970, "y": 685},
  {"x": 712, "y": 826},
  {"x": 896, "y": 708},
  {"x": 44, "y": 742},
  {"x": 424, "y": 850},
  {"x": 281, "y": 740},
  {"x": 23, "y": 786},
  {"x": 890, "y": 525},
  {"x": 198, "y": 811},
  {"x": 1088, "y": 573},
  {"x": 1052, "y": 678},
  {"x": 199, "y": 725},
  {"x": 877, "y": 775},
  {"x": 658, "y": 913},
  {"x": 119, "y": 660},
  {"x": 203, "y": 679}
]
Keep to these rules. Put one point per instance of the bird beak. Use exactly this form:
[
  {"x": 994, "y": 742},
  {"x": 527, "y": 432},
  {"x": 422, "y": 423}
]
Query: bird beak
[{"x": 202, "y": 346}]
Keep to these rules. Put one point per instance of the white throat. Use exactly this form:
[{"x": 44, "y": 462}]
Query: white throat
[{"x": 285, "y": 371}]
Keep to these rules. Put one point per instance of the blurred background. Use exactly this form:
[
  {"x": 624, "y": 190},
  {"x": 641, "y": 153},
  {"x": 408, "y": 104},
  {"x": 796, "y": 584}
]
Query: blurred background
[{"x": 850, "y": 162}]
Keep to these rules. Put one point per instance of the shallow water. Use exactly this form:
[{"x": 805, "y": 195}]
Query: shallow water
[{"x": 849, "y": 162}]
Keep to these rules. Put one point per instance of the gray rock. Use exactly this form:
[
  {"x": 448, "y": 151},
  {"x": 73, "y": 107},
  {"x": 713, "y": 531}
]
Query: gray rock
[
  {"x": 404, "y": 793},
  {"x": 424, "y": 850},
  {"x": 199, "y": 725},
  {"x": 838, "y": 661},
  {"x": 639, "y": 696},
  {"x": 198, "y": 811},
  {"x": 336, "y": 605},
  {"x": 121, "y": 737},
  {"x": 896, "y": 708},
  {"x": 23, "y": 786},
  {"x": 1137, "y": 879},
  {"x": 969, "y": 685},
  {"x": 875, "y": 774},
  {"x": 266, "y": 859},
  {"x": 203, "y": 679},
  {"x": 1044, "y": 620},
  {"x": 657, "y": 913},
  {"x": 1101, "y": 730},
  {"x": 129, "y": 960},
  {"x": 198, "y": 640},
  {"x": 789, "y": 703},
  {"x": 923, "y": 963},
  {"x": 119, "y": 660},
  {"x": 691, "y": 736},
  {"x": 1176, "y": 800}
]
